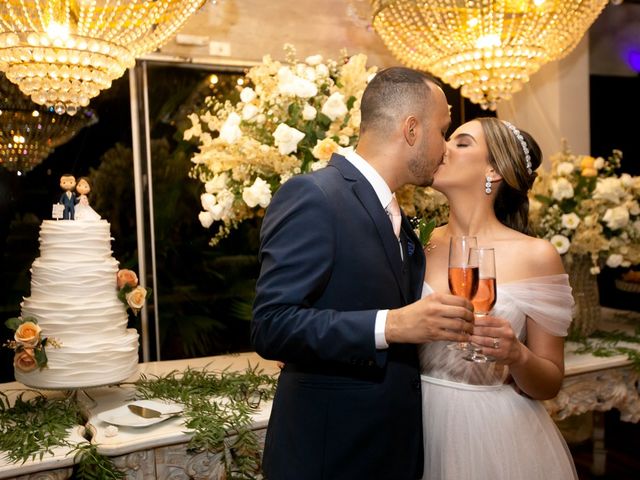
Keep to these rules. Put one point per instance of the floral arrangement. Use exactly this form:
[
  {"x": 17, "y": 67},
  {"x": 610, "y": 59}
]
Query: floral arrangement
[
  {"x": 28, "y": 344},
  {"x": 585, "y": 208},
  {"x": 130, "y": 292},
  {"x": 290, "y": 118}
]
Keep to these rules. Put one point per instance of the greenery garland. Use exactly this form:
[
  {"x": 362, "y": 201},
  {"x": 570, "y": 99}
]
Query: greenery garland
[
  {"x": 31, "y": 428},
  {"x": 217, "y": 409},
  {"x": 605, "y": 344}
]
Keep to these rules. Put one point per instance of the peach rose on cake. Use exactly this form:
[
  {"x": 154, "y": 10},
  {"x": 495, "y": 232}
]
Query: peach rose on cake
[
  {"x": 28, "y": 334},
  {"x": 136, "y": 297},
  {"x": 127, "y": 277},
  {"x": 25, "y": 360}
]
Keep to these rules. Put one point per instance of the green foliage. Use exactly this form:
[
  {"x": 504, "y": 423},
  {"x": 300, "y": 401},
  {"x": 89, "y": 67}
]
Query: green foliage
[
  {"x": 90, "y": 465},
  {"x": 218, "y": 408},
  {"x": 424, "y": 228},
  {"x": 606, "y": 344},
  {"x": 33, "y": 427}
]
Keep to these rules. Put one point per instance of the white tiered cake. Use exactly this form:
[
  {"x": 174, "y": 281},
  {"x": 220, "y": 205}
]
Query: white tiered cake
[{"x": 74, "y": 299}]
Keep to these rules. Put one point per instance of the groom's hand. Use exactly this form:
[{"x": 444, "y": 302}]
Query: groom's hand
[{"x": 435, "y": 317}]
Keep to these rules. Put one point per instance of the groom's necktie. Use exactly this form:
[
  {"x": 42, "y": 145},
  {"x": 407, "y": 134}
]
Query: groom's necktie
[{"x": 393, "y": 210}]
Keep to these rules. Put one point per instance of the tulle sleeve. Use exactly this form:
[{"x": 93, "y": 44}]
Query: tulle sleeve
[{"x": 546, "y": 300}]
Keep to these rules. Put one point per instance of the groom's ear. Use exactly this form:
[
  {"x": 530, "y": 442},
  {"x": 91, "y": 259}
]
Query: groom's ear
[{"x": 409, "y": 130}]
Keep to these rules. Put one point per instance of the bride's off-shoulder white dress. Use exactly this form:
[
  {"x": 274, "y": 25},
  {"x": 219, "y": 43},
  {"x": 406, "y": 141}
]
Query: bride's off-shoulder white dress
[{"x": 475, "y": 426}]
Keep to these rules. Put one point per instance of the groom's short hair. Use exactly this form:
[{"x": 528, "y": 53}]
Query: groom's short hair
[{"x": 393, "y": 93}]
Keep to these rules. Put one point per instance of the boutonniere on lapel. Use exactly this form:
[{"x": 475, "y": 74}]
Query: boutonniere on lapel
[{"x": 423, "y": 230}]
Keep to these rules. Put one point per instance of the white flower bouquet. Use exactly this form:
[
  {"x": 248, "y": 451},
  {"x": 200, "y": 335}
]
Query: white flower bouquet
[
  {"x": 290, "y": 118},
  {"x": 584, "y": 208}
]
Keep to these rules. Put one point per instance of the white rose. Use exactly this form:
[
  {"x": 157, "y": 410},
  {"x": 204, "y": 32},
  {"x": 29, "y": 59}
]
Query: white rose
[
  {"x": 599, "y": 163},
  {"x": 313, "y": 60},
  {"x": 570, "y": 220},
  {"x": 565, "y": 168},
  {"x": 217, "y": 183},
  {"x": 626, "y": 180},
  {"x": 609, "y": 189},
  {"x": 322, "y": 70},
  {"x": 343, "y": 140},
  {"x": 561, "y": 188},
  {"x": 287, "y": 138},
  {"x": 634, "y": 207},
  {"x": 561, "y": 243},
  {"x": 614, "y": 260},
  {"x": 230, "y": 130},
  {"x": 247, "y": 94},
  {"x": 225, "y": 202},
  {"x": 625, "y": 264},
  {"x": 616, "y": 217},
  {"x": 335, "y": 107},
  {"x": 206, "y": 219},
  {"x": 261, "y": 118},
  {"x": 318, "y": 165},
  {"x": 309, "y": 112},
  {"x": 594, "y": 270},
  {"x": 290, "y": 84},
  {"x": 208, "y": 201},
  {"x": 309, "y": 73},
  {"x": 249, "y": 111},
  {"x": 257, "y": 194}
]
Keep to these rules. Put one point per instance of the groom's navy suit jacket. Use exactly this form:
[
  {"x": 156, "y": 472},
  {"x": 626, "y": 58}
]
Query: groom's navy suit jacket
[{"x": 329, "y": 262}]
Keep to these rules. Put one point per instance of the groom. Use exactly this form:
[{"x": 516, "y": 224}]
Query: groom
[{"x": 337, "y": 299}]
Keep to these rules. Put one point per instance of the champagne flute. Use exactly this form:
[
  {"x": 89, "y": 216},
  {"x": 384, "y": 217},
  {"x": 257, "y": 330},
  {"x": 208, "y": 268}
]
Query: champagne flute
[
  {"x": 463, "y": 275},
  {"x": 485, "y": 297}
]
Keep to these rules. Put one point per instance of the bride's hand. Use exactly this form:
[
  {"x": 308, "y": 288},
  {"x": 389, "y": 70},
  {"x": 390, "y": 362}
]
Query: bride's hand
[{"x": 497, "y": 339}]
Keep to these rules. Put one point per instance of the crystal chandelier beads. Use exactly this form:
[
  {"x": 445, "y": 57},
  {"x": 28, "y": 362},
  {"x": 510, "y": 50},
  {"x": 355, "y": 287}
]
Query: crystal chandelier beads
[
  {"x": 29, "y": 133},
  {"x": 487, "y": 48},
  {"x": 62, "y": 53}
]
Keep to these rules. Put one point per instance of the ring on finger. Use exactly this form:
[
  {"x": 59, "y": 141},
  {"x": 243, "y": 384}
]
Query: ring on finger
[{"x": 496, "y": 343}]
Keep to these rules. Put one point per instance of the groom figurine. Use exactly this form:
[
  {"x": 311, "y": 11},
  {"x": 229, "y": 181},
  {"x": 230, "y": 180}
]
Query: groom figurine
[
  {"x": 338, "y": 297},
  {"x": 68, "y": 197}
]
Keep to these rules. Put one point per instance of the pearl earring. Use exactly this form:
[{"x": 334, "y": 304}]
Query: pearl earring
[{"x": 487, "y": 185}]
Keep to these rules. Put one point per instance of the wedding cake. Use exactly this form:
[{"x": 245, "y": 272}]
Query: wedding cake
[{"x": 74, "y": 300}]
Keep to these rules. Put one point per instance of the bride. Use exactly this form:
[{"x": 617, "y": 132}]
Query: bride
[{"x": 485, "y": 420}]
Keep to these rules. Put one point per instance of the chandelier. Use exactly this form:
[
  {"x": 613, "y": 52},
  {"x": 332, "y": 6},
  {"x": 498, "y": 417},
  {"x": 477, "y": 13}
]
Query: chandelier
[
  {"x": 29, "y": 133},
  {"x": 487, "y": 48},
  {"x": 62, "y": 53}
]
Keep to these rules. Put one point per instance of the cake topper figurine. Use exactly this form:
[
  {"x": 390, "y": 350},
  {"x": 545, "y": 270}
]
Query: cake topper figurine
[
  {"x": 82, "y": 210},
  {"x": 68, "y": 197}
]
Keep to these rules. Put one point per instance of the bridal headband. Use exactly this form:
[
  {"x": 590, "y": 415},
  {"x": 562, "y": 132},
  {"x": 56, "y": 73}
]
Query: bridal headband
[{"x": 523, "y": 143}]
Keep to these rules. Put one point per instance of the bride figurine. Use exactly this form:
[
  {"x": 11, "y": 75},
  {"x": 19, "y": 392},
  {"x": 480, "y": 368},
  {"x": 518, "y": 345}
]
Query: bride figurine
[{"x": 83, "y": 211}]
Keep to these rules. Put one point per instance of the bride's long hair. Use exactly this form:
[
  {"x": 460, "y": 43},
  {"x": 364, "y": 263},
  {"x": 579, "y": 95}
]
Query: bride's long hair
[{"x": 507, "y": 157}]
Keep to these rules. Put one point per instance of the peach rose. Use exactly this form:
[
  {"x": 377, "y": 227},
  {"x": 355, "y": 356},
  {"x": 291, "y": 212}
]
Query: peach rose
[
  {"x": 136, "y": 297},
  {"x": 28, "y": 334},
  {"x": 589, "y": 172},
  {"x": 25, "y": 360},
  {"x": 587, "y": 162},
  {"x": 324, "y": 148},
  {"x": 127, "y": 277}
]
